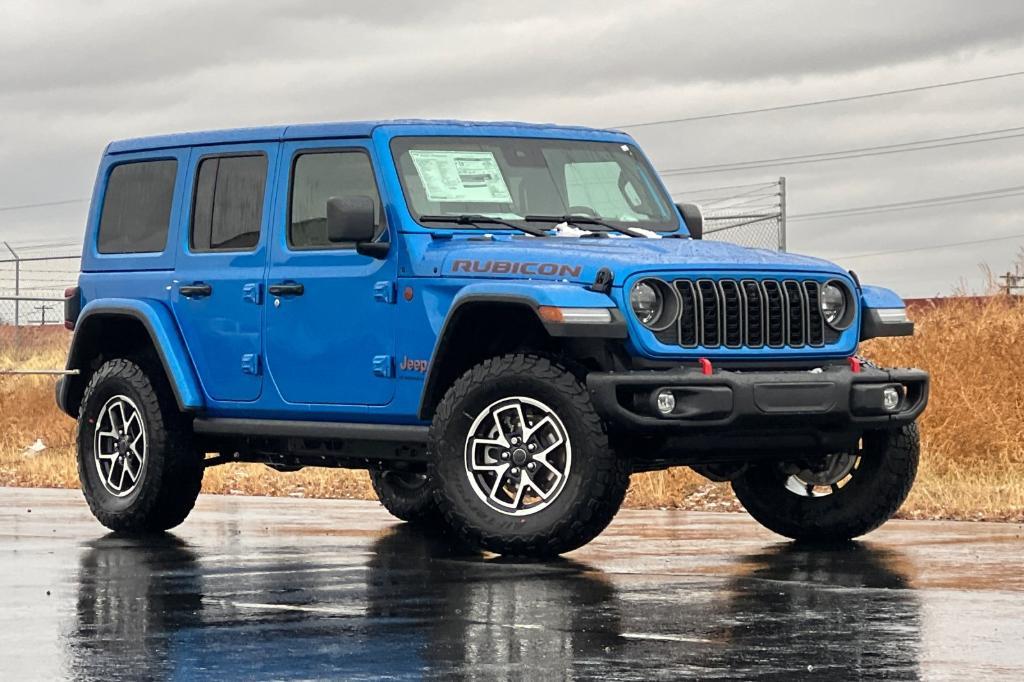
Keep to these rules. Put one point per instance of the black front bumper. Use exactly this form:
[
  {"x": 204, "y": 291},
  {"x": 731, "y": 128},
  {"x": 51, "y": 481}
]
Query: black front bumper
[{"x": 835, "y": 399}]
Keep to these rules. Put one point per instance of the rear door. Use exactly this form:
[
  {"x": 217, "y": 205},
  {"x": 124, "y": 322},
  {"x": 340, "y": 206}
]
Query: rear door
[
  {"x": 218, "y": 294},
  {"x": 330, "y": 334}
]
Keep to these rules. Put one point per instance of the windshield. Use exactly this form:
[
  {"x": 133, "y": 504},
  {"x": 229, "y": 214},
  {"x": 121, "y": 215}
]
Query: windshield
[{"x": 511, "y": 178}]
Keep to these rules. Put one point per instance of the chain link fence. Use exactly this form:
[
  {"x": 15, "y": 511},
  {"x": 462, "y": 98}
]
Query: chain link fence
[
  {"x": 36, "y": 348},
  {"x": 749, "y": 215},
  {"x": 34, "y": 272},
  {"x": 32, "y": 282}
]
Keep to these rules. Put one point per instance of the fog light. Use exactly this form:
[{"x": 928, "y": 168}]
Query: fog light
[
  {"x": 890, "y": 398},
  {"x": 666, "y": 402}
]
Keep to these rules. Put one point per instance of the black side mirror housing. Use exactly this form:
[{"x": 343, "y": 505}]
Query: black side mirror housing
[
  {"x": 694, "y": 219},
  {"x": 351, "y": 220}
]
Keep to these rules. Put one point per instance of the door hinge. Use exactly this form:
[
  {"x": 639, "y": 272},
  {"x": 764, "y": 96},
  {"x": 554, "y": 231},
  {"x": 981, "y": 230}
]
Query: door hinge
[
  {"x": 383, "y": 366},
  {"x": 252, "y": 293},
  {"x": 251, "y": 364},
  {"x": 384, "y": 292}
]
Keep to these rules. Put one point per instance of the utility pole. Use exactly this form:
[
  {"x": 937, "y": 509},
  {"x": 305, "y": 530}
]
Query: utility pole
[
  {"x": 1013, "y": 282},
  {"x": 43, "y": 309},
  {"x": 782, "y": 213}
]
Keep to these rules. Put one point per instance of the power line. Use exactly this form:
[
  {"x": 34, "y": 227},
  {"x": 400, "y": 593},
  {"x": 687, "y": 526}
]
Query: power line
[
  {"x": 880, "y": 150},
  {"x": 915, "y": 203},
  {"x": 752, "y": 195},
  {"x": 61, "y": 202},
  {"x": 834, "y": 100},
  {"x": 930, "y": 248},
  {"x": 702, "y": 190}
]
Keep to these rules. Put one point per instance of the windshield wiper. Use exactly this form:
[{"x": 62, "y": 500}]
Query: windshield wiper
[
  {"x": 470, "y": 219},
  {"x": 579, "y": 220}
]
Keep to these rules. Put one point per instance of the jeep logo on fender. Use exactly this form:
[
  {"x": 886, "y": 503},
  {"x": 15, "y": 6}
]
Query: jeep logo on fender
[
  {"x": 507, "y": 267},
  {"x": 413, "y": 365}
]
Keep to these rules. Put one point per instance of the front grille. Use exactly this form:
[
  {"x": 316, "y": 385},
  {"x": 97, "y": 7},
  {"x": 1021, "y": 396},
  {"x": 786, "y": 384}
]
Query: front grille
[{"x": 747, "y": 313}]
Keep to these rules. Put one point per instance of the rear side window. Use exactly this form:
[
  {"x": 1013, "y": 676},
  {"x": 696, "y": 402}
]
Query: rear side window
[
  {"x": 137, "y": 207},
  {"x": 319, "y": 176},
  {"x": 227, "y": 210}
]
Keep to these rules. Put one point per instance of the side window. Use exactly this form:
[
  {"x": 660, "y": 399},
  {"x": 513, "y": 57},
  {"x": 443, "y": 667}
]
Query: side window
[
  {"x": 319, "y": 176},
  {"x": 137, "y": 207},
  {"x": 227, "y": 210}
]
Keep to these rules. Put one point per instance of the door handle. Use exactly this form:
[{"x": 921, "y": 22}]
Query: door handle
[
  {"x": 286, "y": 289},
  {"x": 195, "y": 290}
]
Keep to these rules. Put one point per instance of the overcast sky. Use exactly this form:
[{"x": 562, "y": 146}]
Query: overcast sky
[{"x": 74, "y": 76}]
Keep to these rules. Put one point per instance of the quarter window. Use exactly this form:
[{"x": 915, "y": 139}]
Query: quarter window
[
  {"x": 228, "y": 207},
  {"x": 137, "y": 207},
  {"x": 319, "y": 176}
]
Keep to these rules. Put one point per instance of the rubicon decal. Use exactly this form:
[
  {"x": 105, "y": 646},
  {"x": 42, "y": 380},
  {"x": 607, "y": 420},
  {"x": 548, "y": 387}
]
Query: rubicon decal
[{"x": 506, "y": 267}]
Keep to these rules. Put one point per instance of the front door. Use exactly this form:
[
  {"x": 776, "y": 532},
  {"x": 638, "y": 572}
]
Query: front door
[
  {"x": 218, "y": 290},
  {"x": 330, "y": 327}
]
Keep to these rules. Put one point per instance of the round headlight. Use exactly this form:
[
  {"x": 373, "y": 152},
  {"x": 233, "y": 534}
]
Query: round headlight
[
  {"x": 833, "y": 305},
  {"x": 646, "y": 302}
]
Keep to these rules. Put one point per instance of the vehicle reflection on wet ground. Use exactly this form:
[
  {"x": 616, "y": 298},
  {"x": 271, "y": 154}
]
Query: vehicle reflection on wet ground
[{"x": 272, "y": 588}]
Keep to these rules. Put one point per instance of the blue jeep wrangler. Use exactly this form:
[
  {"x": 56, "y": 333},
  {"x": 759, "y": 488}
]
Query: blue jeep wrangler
[{"x": 500, "y": 321}]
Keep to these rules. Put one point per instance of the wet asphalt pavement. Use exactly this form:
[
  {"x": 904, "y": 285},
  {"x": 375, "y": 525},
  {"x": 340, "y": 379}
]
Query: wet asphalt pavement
[{"x": 258, "y": 588}]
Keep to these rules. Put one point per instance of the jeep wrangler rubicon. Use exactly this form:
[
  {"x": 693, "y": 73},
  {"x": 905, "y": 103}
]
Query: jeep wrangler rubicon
[{"x": 500, "y": 321}]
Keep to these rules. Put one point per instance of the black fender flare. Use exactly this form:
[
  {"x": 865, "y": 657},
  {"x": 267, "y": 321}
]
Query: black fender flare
[{"x": 616, "y": 329}]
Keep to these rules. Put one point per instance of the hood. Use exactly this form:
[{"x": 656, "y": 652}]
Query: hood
[{"x": 578, "y": 260}]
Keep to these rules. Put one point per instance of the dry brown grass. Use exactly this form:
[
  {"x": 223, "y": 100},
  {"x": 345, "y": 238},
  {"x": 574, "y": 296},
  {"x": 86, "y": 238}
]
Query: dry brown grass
[
  {"x": 973, "y": 431},
  {"x": 972, "y": 466}
]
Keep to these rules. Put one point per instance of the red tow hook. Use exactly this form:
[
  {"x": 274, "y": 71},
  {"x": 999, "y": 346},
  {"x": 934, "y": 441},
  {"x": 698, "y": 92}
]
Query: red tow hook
[
  {"x": 855, "y": 365},
  {"x": 705, "y": 366}
]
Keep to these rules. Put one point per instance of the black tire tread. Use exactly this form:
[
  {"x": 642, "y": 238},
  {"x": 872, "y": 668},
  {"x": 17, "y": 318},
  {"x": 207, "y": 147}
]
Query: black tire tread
[
  {"x": 899, "y": 450},
  {"x": 174, "y": 464},
  {"x": 589, "y": 515},
  {"x": 416, "y": 507}
]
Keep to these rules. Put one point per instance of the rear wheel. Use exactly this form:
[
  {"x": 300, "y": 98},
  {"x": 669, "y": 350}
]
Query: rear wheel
[
  {"x": 405, "y": 495},
  {"x": 137, "y": 465},
  {"x": 836, "y": 497},
  {"x": 520, "y": 462}
]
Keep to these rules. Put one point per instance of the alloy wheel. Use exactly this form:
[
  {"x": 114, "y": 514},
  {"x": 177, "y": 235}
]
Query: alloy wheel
[
  {"x": 828, "y": 477},
  {"x": 518, "y": 456},
  {"x": 120, "y": 446}
]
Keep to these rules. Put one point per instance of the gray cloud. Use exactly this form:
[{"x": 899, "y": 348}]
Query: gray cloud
[{"x": 74, "y": 76}]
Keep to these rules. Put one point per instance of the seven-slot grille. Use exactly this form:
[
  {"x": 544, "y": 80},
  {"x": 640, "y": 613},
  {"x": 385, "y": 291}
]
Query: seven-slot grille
[{"x": 748, "y": 313}]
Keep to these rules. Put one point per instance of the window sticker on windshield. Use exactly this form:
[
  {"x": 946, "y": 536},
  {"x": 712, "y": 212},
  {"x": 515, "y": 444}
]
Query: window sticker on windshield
[{"x": 460, "y": 176}]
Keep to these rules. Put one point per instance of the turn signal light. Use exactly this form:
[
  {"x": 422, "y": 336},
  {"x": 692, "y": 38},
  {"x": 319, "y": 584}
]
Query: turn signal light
[{"x": 555, "y": 314}]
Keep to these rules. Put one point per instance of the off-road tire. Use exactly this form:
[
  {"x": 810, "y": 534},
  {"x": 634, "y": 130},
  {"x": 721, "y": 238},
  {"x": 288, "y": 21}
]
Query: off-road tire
[
  {"x": 593, "y": 490},
  {"x": 173, "y": 472},
  {"x": 410, "y": 504},
  {"x": 878, "y": 487}
]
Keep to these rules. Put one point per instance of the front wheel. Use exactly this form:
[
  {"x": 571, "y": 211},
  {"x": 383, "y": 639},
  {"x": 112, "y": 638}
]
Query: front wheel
[
  {"x": 520, "y": 461},
  {"x": 836, "y": 497}
]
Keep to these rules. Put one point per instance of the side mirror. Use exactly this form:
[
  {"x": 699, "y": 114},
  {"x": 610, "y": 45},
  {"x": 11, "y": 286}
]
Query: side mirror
[
  {"x": 350, "y": 220},
  {"x": 694, "y": 219}
]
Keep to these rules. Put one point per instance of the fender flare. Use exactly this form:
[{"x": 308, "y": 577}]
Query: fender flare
[
  {"x": 163, "y": 333},
  {"x": 873, "y": 299},
  {"x": 532, "y": 296}
]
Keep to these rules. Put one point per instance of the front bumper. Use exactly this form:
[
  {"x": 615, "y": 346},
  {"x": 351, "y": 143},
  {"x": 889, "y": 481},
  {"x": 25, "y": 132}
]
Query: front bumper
[{"x": 833, "y": 399}]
